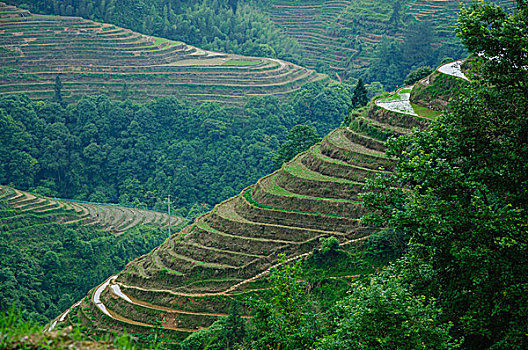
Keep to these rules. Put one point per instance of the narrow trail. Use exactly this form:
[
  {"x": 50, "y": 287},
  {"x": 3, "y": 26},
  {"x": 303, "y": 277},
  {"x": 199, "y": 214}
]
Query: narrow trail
[
  {"x": 96, "y": 299},
  {"x": 117, "y": 291},
  {"x": 237, "y": 285}
]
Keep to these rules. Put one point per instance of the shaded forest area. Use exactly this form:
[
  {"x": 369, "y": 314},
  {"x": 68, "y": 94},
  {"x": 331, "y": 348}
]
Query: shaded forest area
[{"x": 120, "y": 152}]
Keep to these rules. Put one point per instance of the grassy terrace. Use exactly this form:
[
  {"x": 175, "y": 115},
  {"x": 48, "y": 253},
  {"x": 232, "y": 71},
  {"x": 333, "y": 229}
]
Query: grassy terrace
[
  {"x": 112, "y": 218},
  {"x": 92, "y": 58},
  {"x": 226, "y": 253}
]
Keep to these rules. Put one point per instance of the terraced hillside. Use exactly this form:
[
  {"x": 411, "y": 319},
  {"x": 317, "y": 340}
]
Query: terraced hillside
[
  {"x": 310, "y": 23},
  {"x": 116, "y": 219},
  {"x": 227, "y": 252},
  {"x": 95, "y": 58},
  {"x": 344, "y": 34}
]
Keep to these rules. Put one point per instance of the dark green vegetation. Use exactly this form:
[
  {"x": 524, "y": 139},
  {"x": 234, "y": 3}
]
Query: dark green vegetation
[
  {"x": 66, "y": 57},
  {"x": 377, "y": 40},
  {"x": 381, "y": 40},
  {"x": 466, "y": 210},
  {"x": 18, "y": 333},
  {"x": 106, "y": 151},
  {"x": 449, "y": 201},
  {"x": 53, "y": 252}
]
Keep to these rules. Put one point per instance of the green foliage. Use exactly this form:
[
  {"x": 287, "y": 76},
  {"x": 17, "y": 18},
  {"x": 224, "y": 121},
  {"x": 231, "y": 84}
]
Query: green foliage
[
  {"x": 17, "y": 333},
  {"x": 58, "y": 90},
  {"x": 499, "y": 36},
  {"x": 300, "y": 138},
  {"x": 327, "y": 251},
  {"x": 417, "y": 74},
  {"x": 385, "y": 245},
  {"x": 46, "y": 266},
  {"x": 394, "y": 60},
  {"x": 226, "y": 333},
  {"x": 460, "y": 192},
  {"x": 287, "y": 320},
  {"x": 382, "y": 313},
  {"x": 360, "y": 98},
  {"x": 466, "y": 213},
  {"x": 105, "y": 151}
]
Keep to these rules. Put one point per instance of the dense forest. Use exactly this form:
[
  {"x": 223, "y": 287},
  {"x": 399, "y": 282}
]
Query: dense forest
[
  {"x": 120, "y": 152},
  {"x": 451, "y": 218},
  {"x": 47, "y": 266}
]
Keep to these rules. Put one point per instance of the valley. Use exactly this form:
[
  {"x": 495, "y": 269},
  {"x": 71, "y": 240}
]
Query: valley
[{"x": 311, "y": 208}]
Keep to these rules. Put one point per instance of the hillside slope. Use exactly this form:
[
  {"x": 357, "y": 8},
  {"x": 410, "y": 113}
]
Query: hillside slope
[
  {"x": 179, "y": 288},
  {"x": 113, "y": 218},
  {"x": 92, "y": 58},
  {"x": 343, "y": 34},
  {"x": 379, "y": 40},
  {"x": 54, "y": 251}
]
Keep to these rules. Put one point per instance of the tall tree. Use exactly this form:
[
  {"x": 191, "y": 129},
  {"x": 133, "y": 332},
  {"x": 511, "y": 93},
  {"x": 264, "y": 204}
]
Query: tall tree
[
  {"x": 58, "y": 90},
  {"x": 501, "y": 38},
  {"x": 465, "y": 206},
  {"x": 300, "y": 138},
  {"x": 360, "y": 97}
]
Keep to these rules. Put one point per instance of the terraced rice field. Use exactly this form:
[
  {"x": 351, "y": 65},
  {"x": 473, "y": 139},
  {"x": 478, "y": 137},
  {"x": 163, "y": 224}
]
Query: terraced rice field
[
  {"x": 344, "y": 34},
  {"x": 113, "y": 218},
  {"x": 308, "y": 22},
  {"x": 405, "y": 104},
  {"x": 94, "y": 58},
  {"x": 226, "y": 253},
  {"x": 435, "y": 9}
]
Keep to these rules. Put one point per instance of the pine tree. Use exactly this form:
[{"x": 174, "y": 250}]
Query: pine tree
[
  {"x": 360, "y": 98},
  {"x": 58, "y": 90}
]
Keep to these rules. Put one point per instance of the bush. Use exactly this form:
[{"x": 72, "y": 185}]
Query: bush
[{"x": 417, "y": 74}]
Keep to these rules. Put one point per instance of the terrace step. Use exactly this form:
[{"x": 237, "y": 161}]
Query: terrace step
[
  {"x": 296, "y": 177},
  {"x": 268, "y": 193},
  {"x": 83, "y": 52},
  {"x": 292, "y": 218},
  {"x": 337, "y": 145}
]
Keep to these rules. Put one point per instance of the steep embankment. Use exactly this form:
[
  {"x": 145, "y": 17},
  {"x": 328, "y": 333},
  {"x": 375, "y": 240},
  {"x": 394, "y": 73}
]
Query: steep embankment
[
  {"x": 188, "y": 285},
  {"x": 94, "y": 58}
]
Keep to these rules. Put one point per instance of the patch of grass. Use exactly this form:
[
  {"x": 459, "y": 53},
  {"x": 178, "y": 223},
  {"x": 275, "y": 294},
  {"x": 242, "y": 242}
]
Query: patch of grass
[
  {"x": 397, "y": 96},
  {"x": 297, "y": 169},
  {"x": 234, "y": 62},
  {"x": 248, "y": 196},
  {"x": 425, "y": 112},
  {"x": 17, "y": 333},
  {"x": 273, "y": 188}
]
